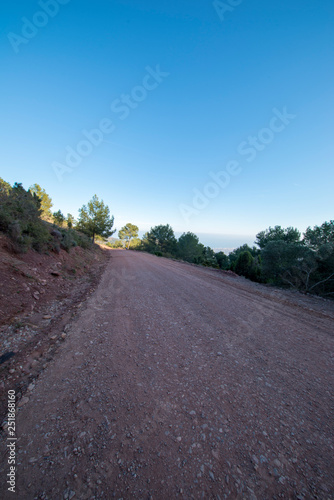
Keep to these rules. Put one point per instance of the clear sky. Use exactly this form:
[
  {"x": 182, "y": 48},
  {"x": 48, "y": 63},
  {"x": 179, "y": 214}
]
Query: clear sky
[{"x": 215, "y": 118}]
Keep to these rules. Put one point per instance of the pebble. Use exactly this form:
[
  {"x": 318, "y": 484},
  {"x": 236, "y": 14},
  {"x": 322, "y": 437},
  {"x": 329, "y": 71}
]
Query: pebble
[
  {"x": 23, "y": 401},
  {"x": 68, "y": 494}
]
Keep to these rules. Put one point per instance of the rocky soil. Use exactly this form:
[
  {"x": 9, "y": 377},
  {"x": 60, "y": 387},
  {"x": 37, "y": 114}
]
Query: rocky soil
[
  {"x": 39, "y": 296},
  {"x": 175, "y": 381}
]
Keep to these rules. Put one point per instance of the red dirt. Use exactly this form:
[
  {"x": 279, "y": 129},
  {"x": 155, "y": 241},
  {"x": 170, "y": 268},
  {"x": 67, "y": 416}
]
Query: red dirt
[
  {"x": 30, "y": 281},
  {"x": 181, "y": 382},
  {"x": 39, "y": 295}
]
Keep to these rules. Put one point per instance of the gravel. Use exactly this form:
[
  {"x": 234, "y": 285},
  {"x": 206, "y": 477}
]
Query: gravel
[{"x": 175, "y": 381}]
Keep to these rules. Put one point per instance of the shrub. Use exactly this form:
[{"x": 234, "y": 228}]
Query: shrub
[
  {"x": 244, "y": 264},
  {"x": 39, "y": 235},
  {"x": 82, "y": 240},
  {"x": 5, "y": 219}
]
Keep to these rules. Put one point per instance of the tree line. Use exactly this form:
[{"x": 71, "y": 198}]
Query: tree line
[
  {"x": 26, "y": 217},
  {"x": 280, "y": 256}
]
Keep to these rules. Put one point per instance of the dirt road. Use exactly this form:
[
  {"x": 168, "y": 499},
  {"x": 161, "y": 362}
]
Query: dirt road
[{"x": 181, "y": 382}]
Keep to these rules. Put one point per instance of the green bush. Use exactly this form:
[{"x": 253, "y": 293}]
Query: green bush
[
  {"x": 39, "y": 234},
  {"x": 67, "y": 240},
  {"x": 20, "y": 218},
  {"x": 5, "y": 219},
  {"x": 21, "y": 242},
  {"x": 244, "y": 264},
  {"x": 168, "y": 255},
  {"x": 82, "y": 240}
]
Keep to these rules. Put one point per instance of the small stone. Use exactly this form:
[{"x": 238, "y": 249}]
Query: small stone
[
  {"x": 12, "y": 370},
  {"x": 211, "y": 474},
  {"x": 63, "y": 336},
  {"x": 32, "y": 460},
  {"x": 23, "y": 401},
  {"x": 277, "y": 462},
  {"x": 179, "y": 438},
  {"x": 31, "y": 387},
  {"x": 47, "y": 316}
]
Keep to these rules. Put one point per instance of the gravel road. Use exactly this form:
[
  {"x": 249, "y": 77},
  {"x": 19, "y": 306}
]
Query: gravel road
[{"x": 176, "y": 381}]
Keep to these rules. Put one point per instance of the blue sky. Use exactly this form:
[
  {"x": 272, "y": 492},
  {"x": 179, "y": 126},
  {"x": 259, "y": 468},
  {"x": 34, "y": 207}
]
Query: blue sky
[{"x": 181, "y": 90}]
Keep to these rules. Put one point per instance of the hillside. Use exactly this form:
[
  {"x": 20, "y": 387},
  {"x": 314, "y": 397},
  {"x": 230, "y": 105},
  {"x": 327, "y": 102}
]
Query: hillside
[{"x": 39, "y": 294}]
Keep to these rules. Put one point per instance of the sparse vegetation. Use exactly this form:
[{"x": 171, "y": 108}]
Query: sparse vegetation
[{"x": 21, "y": 218}]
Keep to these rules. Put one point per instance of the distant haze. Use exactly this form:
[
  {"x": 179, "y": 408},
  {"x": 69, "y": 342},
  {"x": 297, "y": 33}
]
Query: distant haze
[
  {"x": 225, "y": 242},
  {"x": 219, "y": 242}
]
